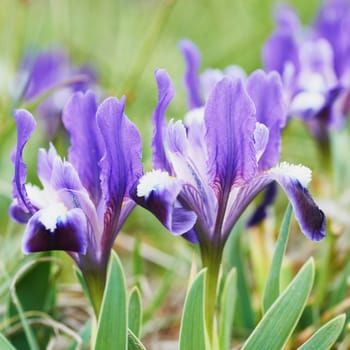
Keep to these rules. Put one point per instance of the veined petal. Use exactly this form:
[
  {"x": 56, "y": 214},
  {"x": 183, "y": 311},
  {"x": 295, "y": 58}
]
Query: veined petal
[
  {"x": 79, "y": 118},
  {"x": 192, "y": 58},
  {"x": 267, "y": 93},
  {"x": 25, "y": 126},
  {"x": 121, "y": 164},
  {"x": 54, "y": 229},
  {"x": 293, "y": 179},
  {"x": 166, "y": 93},
  {"x": 230, "y": 123},
  {"x": 158, "y": 192},
  {"x": 46, "y": 160},
  {"x": 189, "y": 164}
]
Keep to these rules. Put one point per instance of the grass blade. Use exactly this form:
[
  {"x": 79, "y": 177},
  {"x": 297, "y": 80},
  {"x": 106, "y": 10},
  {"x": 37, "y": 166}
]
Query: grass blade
[{"x": 278, "y": 323}]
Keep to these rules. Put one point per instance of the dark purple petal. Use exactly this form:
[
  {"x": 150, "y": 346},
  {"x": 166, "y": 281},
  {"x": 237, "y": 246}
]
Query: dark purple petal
[
  {"x": 69, "y": 233},
  {"x": 166, "y": 93},
  {"x": 192, "y": 59},
  {"x": 25, "y": 126},
  {"x": 267, "y": 93},
  {"x": 191, "y": 236},
  {"x": 230, "y": 123},
  {"x": 79, "y": 118},
  {"x": 158, "y": 193},
  {"x": 260, "y": 212},
  {"x": 293, "y": 179}
]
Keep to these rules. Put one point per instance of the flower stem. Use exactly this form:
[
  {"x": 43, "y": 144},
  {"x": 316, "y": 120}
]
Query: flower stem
[{"x": 211, "y": 258}]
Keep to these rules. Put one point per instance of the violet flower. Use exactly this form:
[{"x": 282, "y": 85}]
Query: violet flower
[
  {"x": 208, "y": 169},
  {"x": 215, "y": 164},
  {"x": 314, "y": 65},
  {"x": 199, "y": 86},
  {"x": 51, "y": 70},
  {"x": 84, "y": 200}
]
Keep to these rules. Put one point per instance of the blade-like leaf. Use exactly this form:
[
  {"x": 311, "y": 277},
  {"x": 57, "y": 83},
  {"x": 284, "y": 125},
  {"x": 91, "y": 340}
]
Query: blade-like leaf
[
  {"x": 326, "y": 336},
  {"x": 227, "y": 305},
  {"x": 5, "y": 344},
  {"x": 112, "y": 326},
  {"x": 133, "y": 342},
  {"x": 275, "y": 328},
  {"x": 135, "y": 312},
  {"x": 193, "y": 333},
  {"x": 272, "y": 288}
]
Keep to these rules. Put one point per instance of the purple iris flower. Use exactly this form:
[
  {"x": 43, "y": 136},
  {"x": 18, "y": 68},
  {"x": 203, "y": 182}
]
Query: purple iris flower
[
  {"x": 84, "y": 200},
  {"x": 314, "y": 65},
  {"x": 208, "y": 168},
  {"x": 39, "y": 73},
  {"x": 198, "y": 87}
]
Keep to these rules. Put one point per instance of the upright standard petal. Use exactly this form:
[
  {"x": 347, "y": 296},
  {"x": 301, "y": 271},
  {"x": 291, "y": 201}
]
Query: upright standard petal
[
  {"x": 79, "y": 118},
  {"x": 25, "y": 126},
  {"x": 230, "y": 123},
  {"x": 121, "y": 164},
  {"x": 267, "y": 93},
  {"x": 166, "y": 93},
  {"x": 192, "y": 58}
]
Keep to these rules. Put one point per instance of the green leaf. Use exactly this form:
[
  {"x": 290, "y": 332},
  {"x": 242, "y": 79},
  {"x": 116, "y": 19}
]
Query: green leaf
[
  {"x": 133, "y": 342},
  {"x": 112, "y": 326},
  {"x": 276, "y": 326},
  {"x": 326, "y": 336},
  {"x": 273, "y": 285},
  {"x": 192, "y": 332},
  {"x": 34, "y": 271},
  {"x": 227, "y": 306},
  {"x": 135, "y": 312},
  {"x": 5, "y": 344}
]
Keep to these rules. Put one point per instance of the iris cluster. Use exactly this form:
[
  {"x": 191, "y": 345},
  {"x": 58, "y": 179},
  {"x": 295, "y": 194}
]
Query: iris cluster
[{"x": 207, "y": 168}]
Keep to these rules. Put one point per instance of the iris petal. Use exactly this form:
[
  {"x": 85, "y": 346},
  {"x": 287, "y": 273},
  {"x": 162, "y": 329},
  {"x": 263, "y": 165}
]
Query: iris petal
[
  {"x": 79, "y": 118},
  {"x": 192, "y": 58},
  {"x": 25, "y": 126},
  {"x": 166, "y": 93},
  {"x": 69, "y": 233},
  {"x": 158, "y": 192},
  {"x": 230, "y": 123},
  {"x": 267, "y": 93}
]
